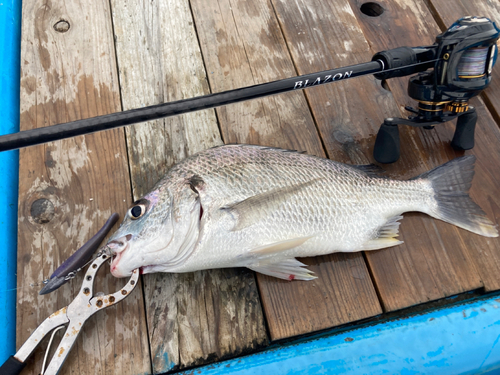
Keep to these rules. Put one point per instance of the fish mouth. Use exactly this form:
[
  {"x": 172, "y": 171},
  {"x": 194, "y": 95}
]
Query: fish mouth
[
  {"x": 116, "y": 249},
  {"x": 115, "y": 270}
]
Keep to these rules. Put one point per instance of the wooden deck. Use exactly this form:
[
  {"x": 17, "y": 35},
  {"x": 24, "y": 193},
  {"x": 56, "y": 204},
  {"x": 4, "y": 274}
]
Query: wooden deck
[{"x": 82, "y": 59}]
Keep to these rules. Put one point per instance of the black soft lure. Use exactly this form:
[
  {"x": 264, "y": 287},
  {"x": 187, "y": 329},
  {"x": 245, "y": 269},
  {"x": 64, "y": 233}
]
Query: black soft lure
[{"x": 79, "y": 258}]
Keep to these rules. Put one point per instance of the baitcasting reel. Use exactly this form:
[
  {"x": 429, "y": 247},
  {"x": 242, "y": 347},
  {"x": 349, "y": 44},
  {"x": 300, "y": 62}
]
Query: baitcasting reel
[{"x": 464, "y": 56}]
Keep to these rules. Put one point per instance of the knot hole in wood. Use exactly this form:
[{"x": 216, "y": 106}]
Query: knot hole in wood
[
  {"x": 61, "y": 26},
  {"x": 372, "y": 9},
  {"x": 42, "y": 211}
]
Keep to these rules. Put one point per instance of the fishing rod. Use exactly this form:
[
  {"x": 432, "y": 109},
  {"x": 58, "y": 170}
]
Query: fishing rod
[{"x": 462, "y": 59}]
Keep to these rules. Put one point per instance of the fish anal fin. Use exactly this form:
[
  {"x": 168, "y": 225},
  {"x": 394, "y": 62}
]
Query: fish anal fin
[
  {"x": 255, "y": 208},
  {"x": 288, "y": 269},
  {"x": 380, "y": 243},
  {"x": 386, "y": 235}
]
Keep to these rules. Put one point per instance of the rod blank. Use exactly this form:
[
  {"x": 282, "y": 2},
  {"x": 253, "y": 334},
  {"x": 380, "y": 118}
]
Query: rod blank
[{"x": 71, "y": 129}]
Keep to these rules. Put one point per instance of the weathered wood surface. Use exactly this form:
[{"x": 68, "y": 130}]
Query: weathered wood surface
[
  {"x": 166, "y": 53},
  {"x": 437, "y": 259},
  {"x": 448, "y": 11},
  {"x": 242, "y": 45},
  {"x": 203, "y": 316},
  {"x": 69, "y": 188}
]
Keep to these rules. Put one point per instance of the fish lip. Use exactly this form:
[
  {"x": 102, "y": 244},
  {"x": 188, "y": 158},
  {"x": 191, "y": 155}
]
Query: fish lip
[
  {"x": 114, "y": 263},
  {"x": 115, "y": 260},
  {"x": 122, "y": 243}
]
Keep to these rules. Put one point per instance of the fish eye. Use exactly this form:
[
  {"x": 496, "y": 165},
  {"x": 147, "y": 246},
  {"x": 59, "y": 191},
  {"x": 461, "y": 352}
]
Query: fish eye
[{"x": 138, "y": 210}]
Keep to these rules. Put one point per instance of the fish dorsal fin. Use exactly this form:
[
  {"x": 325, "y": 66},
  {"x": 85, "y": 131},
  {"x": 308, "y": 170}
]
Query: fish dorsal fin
[
  {"x": 288, "y": 269},
  {"x": 255, "y": 208},
  {"x": 386, "y": 235}
]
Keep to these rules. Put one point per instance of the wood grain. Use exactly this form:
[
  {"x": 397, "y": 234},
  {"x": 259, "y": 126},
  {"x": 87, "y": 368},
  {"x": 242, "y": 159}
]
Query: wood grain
[
  {"x": 448, "y": 11},
  {"x": 322, "y": 35},
  {"x": 242, "y": 45},
  {"x": 203, "y": 316},
  {"x": 68, "y": 73},
  {"x": 437, "y": 259}
]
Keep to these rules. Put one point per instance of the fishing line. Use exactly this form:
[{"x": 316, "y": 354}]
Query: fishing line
[
  {"x": 473, "y": 62},
  {"x": 406, "y": 66}
]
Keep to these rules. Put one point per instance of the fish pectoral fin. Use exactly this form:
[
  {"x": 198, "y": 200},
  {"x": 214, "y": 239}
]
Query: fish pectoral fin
[
  {"x": 371, "y": 170},
  {"x": 288, "y": 269},
  {"x": 278, "y": 247},
  {"x": 261, "y": 254},
  {"x": 385, "y": 235},
  {"x": 255, "y": 208}
]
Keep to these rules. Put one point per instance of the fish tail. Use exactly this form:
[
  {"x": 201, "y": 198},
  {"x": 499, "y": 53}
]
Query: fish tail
[{"x": 451, "y": 183}]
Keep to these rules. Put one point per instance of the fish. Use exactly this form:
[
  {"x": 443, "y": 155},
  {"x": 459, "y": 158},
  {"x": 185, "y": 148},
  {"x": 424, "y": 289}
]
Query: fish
[{"x": 262, "y": 207}]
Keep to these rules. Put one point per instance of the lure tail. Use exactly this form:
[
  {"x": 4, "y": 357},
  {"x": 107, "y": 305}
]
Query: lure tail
[
  {"x": 451, "y": 183},
  {"x": 78, "y": 259}
]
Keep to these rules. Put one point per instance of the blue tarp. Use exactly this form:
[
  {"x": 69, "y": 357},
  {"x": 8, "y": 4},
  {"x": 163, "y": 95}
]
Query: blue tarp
[
  {"x": 10, "y": 47},
  {"x": 460, "y": 339}
]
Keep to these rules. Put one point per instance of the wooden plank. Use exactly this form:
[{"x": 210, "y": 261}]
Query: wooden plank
[
  {"x": 446, "y": 260},
  {"x": 203, "y": 316},
  {"x": 242, "y": 45},
  {"x": 68, "y": 189},
  {"x": 448, "y": 11},
  {"x": 323, "y": 35}
]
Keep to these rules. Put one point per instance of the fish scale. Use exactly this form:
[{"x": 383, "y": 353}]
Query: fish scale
[{"x": 260, "y": 207}]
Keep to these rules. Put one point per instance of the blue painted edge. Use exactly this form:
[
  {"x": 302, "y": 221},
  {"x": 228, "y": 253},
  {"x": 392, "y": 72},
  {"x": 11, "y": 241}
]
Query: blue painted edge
[
  {"x": 458, "y": 339},
  {"x": 10, "y": 51}
]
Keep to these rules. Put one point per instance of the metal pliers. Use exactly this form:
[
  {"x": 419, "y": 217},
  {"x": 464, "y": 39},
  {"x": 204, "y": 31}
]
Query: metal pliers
[{"x": 75, "y": 315}]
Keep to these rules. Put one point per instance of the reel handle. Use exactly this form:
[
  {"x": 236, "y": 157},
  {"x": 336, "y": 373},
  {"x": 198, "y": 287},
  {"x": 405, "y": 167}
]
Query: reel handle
[
  {"x": 463, "y": 139},
  {"x": 387, "y": 144}
]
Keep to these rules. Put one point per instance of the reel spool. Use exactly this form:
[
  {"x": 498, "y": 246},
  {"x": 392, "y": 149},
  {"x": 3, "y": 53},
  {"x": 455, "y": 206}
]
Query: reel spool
[{"x": 465, "y": 55}]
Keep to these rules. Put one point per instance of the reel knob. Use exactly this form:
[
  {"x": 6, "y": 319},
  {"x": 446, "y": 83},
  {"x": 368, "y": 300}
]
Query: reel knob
[
  {"x": 387, "y": 144},
  {"x": 463, "y": 139}
]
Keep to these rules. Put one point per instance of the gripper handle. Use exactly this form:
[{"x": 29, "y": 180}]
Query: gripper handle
[{"x": 12, "y": 366}]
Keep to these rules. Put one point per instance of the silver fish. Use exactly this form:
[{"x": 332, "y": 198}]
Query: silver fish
[{"x": 260, "y": 207}]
